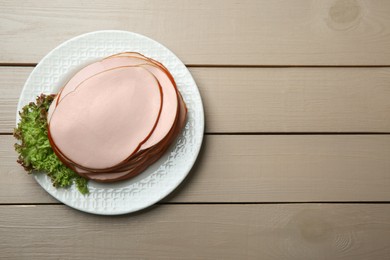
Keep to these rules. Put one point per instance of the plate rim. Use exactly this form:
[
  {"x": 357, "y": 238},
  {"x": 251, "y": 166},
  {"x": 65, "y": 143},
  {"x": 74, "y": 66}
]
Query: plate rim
[{"x": 189, "y": 165}]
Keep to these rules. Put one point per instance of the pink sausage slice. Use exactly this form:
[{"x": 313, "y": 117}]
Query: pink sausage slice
[
  {"x": 150, "y": 60},
  {"x": 100, "y": 66},
  {"x": 118, "y": 60},
  {"x": 169, "y": 110},
  {"x": 170, "y": 97},
  {"x": 94, "y": 69},
  {"x": 138, "y": 161},
  {"x": 151, "y": 157},
  {"x": 107, "y": 118},
  {"x": 170, "y": 102}
]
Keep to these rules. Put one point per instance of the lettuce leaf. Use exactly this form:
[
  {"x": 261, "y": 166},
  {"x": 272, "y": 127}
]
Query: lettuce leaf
[{"x": 35, "y": 152}]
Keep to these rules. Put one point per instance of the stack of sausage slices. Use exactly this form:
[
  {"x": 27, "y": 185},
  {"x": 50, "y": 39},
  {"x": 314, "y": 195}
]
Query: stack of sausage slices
[{"x": 116, "y": 117}]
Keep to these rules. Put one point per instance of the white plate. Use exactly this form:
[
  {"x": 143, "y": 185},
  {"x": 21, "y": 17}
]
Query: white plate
[{"x": 162, "y": 177}]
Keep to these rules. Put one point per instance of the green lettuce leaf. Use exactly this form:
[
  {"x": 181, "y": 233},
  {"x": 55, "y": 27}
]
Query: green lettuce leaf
[{"x": 35, "y": 152}]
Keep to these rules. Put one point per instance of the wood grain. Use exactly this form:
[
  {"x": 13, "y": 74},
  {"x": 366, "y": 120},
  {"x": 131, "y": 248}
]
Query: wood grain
[
  {"x": 270, "y": 168},
  {"x": 295, "y": 231},
  {"x": 228, "y": 32},
  {"x": 268, "y": 99},
  {"x": 11, "y": 83},
  {"x": 295, "y": 99}
]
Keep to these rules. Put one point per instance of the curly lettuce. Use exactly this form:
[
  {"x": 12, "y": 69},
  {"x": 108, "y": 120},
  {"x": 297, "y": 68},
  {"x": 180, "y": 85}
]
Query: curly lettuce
[{"x": 35, "y": 152}]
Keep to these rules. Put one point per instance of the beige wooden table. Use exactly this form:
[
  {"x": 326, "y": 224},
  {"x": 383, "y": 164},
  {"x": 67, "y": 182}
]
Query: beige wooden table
[{"x": 296, "y": 156}]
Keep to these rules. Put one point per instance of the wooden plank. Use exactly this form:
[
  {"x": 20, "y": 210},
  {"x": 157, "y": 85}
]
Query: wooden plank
[
  {"x": 295, "y": 99},
  {"x": 296, "y": 231},
  {"x": 269, "y": 168},
  {"x": 18, "y": 186},
  {"x": 268, "y": 99},
  {"x": 11, "y": 83},
  {"x": 253, "y": 32}
]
